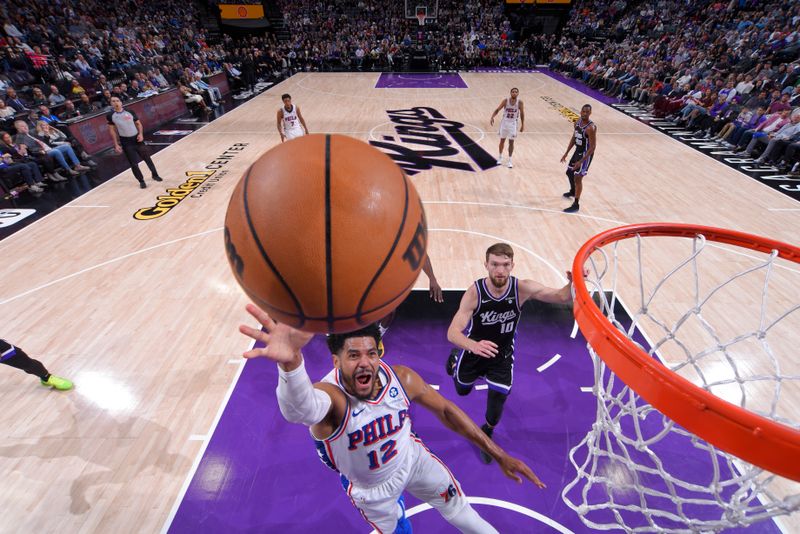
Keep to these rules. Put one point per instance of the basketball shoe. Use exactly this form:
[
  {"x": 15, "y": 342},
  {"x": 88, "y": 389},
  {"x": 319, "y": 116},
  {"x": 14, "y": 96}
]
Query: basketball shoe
[{"x": 61, "y": 384}]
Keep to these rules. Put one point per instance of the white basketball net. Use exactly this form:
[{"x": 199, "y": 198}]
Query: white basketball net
[{"x": 639, "y": 471}]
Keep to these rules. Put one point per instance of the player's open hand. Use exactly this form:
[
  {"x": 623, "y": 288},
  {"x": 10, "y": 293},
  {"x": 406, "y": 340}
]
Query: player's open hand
[
  {"x": 491, "y": 121},
  {"x": 515, "y": 469},
  {"x": 283, "y": 342},
  {"x": 484, "y": 348}
]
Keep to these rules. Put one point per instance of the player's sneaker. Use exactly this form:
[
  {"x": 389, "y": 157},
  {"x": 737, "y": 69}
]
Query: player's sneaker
[
  {"x": 403, "y": 524},
  {"x": 510, "y": 165},
  {"x": 573, "y": 208},
  {"x": 450, "y": 365},
  {"x": 61, "y": 384},
  {"x": 569, "y": 194},
  {"x": 485, "y": 458},
  {"x": 500, "y": 160}
]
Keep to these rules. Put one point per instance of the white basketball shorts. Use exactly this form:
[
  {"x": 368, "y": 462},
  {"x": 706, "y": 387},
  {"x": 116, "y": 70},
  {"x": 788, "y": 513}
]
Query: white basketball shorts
[{"x": 424, "y": 475}]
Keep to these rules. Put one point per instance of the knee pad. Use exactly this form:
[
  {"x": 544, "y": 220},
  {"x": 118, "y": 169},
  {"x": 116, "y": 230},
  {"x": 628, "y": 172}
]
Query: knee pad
[{"x": 494, "y": 407}]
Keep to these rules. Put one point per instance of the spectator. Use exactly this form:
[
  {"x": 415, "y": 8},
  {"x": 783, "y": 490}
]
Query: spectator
[
  {"x": 69, "y": 111},
  {"x": 76, "y": 88},
  {"x": 47, "y": 116},
  {"x": 14, "y": 101},
  {"x": 38, "y": 147},
  {"x": 55, "y": 98},
  {"x": 85, "y": 105}
]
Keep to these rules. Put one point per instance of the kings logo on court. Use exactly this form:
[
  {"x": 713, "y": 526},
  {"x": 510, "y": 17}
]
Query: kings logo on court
[{"x": 425, "y": 139}]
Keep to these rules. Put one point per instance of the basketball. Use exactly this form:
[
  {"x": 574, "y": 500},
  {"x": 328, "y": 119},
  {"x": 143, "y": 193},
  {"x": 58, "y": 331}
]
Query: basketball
[{"x": 325, "y": 233}]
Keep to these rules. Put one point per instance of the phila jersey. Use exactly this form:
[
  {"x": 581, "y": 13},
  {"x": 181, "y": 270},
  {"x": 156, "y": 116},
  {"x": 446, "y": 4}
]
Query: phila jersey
[
  {"x": 375, "y": 437},
  {"x": 496, "y": 318},
  {"x": 290, "y": 119},
  {"x": 511, "y": 111}
]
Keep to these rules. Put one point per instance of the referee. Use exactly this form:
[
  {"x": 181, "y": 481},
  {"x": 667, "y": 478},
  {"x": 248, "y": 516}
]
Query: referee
[{"x": 126, "y": 130}]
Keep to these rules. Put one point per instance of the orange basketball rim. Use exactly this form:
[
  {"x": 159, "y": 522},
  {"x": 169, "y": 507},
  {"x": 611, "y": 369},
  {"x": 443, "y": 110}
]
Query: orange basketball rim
[{"x": 765, "y": 443}]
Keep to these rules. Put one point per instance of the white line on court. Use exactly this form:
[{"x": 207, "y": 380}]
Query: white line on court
[
  {"x": 198, "y": 437},
  {"x": 548, "y": 363},
  {"x": 587, "y": 389},
  {"x": 521, "y": 207},
  {"x": 108, "y": 262},
  {"x": 497, "y": 503},
  {"x": 203, "y": 447},
  {"x": 85, "y": 207},
  {"x": 434, "y": 386},
  {"x": 784, "y": 209},
  {"x": 236, "y": 361}
]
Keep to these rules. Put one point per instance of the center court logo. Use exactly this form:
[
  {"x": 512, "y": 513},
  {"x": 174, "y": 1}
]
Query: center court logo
[
  {"x": 426, "y": 139},
  {"x": 196, "y": 185}
]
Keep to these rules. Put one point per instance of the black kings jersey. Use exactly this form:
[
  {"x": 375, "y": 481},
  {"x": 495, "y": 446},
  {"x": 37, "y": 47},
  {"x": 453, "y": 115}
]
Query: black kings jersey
[
  {"x": 581, "y": 139},
  {"x": 495, "y": 318}
]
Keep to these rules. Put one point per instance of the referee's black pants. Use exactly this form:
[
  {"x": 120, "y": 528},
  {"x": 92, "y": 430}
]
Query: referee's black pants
[{"x": 131, "y": 147}]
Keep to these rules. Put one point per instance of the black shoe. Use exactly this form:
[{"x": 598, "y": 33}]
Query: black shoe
[
  {"x": 573, "y": 208},
  {"x": 142, "y": 185},
  {"x": 450, "y": 365},
  {"x": 569, "y": 194},
  {"x": 485, "y": 458},
  {"x": 157, "y": 179}
]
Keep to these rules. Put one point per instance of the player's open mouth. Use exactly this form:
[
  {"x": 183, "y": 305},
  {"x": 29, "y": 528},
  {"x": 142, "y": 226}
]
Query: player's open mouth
[{"x": 364, "y": 379}]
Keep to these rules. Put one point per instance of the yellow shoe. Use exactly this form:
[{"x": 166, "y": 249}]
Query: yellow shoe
[{"x": 61, "y": 384}]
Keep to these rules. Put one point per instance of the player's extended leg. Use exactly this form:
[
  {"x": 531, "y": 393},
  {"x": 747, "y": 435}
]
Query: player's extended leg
[
  {"x": 495, "y": 402},
  {"x": 571, "y": 176},
  {"x": 510, "y": 152},
  {"x": 500, "y": 151},
  {"x": 384, "y": 511},
  {"x": 432, "y": 482},
  {"x": 578, "y": 189},
  {"x": 17, "y": 358}
]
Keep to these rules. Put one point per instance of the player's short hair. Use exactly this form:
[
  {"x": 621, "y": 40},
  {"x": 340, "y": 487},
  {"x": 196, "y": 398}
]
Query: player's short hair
[
  {"x": 515, "y": 88},
  {"x": 587, "y": 106},
  {"x": 284, "y": 96},
  {"x": 500, "y": 249},
  {"x": 336, "y": 341}
]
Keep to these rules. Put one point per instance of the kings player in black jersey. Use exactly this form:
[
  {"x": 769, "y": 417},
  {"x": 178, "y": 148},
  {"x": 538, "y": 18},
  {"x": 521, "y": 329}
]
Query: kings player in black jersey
[
  {"x": 490, "y": 311},
  {"x": 584, "y": 139}
]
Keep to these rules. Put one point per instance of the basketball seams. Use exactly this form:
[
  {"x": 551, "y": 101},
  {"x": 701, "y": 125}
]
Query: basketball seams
[
  {"x": 328, "y": 235},
  {"x": 301, "y": 315},
  {"x": 359, "y": 311}
]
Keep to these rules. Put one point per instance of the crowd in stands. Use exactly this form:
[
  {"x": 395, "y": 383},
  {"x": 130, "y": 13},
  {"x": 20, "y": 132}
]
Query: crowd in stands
[
  {"x": 65, "y": 60},
  {"x": 728, "y": 71}
]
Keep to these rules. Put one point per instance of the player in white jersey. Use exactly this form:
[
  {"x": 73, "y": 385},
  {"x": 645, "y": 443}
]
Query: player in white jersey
[
  {"x": 513, "y": 110},
  {"x": 358, "y": 414},
  {"x": 291, "y": 123}
]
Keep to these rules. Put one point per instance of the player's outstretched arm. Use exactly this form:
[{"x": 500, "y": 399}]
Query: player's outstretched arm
[
  {"x": 456, "y": 420},
  {"x": 455, "y": 333},
  {"x": 299, "y": 400},
  {"x": 530, "y": 289}
]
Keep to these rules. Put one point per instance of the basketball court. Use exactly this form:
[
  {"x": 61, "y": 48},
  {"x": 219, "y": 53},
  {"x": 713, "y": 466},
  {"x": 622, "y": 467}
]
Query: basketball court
[{"x": 128, "y": 292}]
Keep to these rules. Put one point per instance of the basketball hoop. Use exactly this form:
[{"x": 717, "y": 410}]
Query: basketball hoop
[
  {"x": 623, "y": 442},
  {"x": 422, "y": 14}
]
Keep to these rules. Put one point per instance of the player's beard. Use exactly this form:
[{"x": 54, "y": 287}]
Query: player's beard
[{"x": 497, "y": 282}]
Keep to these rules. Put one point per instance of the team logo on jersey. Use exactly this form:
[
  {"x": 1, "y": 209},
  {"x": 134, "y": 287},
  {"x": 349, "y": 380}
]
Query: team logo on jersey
[
  {"x": 196, "y": 185},
  {"x": 393, "y": 392},
  {"x": 426, "y": 139},
  {"x": 492, "y": 317}
]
